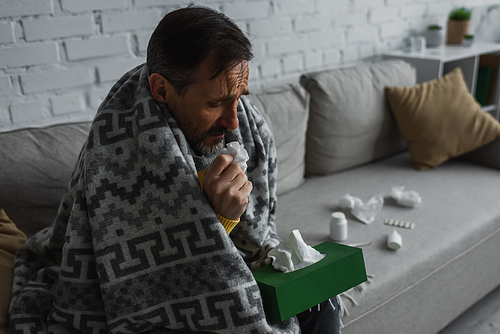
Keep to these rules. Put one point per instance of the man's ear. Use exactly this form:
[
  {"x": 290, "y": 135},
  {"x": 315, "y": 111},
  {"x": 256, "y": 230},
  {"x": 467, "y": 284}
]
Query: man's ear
[{"x": 159, "y": 87}]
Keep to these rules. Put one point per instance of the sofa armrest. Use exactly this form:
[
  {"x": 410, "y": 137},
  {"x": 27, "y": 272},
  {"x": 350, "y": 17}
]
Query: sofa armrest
[
  {"x": 488, "y": 155},
  {"x": 10, "y": 241}
]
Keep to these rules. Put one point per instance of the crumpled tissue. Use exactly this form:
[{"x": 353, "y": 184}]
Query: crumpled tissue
[
  {"x": 239, "y": 154},
  {"x": 404, "y": 197},
  {"x": 293, "y": 253},
  {"x": 364, "y": 212}
]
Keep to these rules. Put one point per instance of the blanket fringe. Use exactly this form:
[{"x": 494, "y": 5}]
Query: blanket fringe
[
  {"x": 343, "y": 311},
  {"x": 345, "y": 295}
]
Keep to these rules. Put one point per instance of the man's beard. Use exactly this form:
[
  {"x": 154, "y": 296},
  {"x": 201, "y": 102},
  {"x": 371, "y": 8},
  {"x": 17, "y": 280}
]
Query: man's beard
[
  {"x": 200, "y": 147},
  {"x": 192, "y": 133}
]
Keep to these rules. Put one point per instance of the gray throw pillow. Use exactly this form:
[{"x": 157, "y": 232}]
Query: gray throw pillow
[
  {"x": 285, "y": 109},
  {"x": 350, "y": 122},
  {"x": 35, "y": 169}
]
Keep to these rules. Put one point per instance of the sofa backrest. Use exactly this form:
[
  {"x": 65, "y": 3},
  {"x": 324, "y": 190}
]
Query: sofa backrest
[
  {"x": 35, "y": 168},
  {"x": 36, "y": 163},
  {"x": 343, "y": 121},
  {"x": 350, "y": 122},
  {"x": 286, "y": 109}
]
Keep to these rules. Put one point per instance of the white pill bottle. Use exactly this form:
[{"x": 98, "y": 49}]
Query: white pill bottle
[{"x": 338, "y": 226}]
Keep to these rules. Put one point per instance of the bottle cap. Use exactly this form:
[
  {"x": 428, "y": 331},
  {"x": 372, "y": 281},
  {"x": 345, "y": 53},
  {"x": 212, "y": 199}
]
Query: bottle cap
[
  {"x": 338, "y": 217},
  {"x": 394, "y": 240}
]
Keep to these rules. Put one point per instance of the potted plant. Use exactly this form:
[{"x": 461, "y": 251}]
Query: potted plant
[
  {"x": 467, "y": 40},
  {"x": 434, "y": 35},
  {"x": 458, "y": 25}
]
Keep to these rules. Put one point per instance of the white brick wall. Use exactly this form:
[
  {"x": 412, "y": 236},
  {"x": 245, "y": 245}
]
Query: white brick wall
[
  {"x": 59, "y": 58},
  {"x": 368, "y": 3},
  {"x": 268, "y": 27},
  {"x": 76, "y": 6},
  {"x": 97, "y": 47},
  {"x": 6, "y": 32},
  {"x": 143, "y": 40},
  {"x": 136, "y": 20},
  {"x": 69, "y": 103},
  {"x": 294, "y": 43},
  {"x": 243, "y": 10},
  {"x": 148, "y": 3},
  {"x": 293, "y": 63},
  {"x": 28, "y": 55},
  {"x": 324, "y": 39},
  {"x": 384, "y": 14},
  {"x": 22, "y": 112},
  {"x": 413, "y": 10},
  {"x": 5, "y": 86},
  {"x": 351, "y": 19},
  {"x": 40, "y": 29},
  {"x": 361, "y": 34},
  {"x": 61, "y": 79},
  {"x": 114, "y": 71},
  {"x": 18, "y": 8},
  {"x": 293, "y": 7},
  {"x": 312, "y": 22},
  {"x": 337, "y": 6},
  {"x": 392, "y": 29},
  {"x": 269, "y": 67},
  {"x": 313, "y": 59}
]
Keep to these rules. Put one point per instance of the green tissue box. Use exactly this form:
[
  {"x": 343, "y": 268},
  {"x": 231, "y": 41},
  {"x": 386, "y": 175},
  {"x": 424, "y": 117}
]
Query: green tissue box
[{"x": 287, "y": 294}]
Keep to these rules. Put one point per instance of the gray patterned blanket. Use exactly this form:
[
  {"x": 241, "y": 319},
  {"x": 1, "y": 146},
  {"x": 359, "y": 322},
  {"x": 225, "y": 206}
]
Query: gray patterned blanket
[{"x": 136, "y": 246}]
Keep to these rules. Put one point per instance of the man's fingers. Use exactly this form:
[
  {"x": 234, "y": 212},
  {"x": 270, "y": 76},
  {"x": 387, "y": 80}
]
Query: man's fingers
[
  {"x": 219, "y": 165},
  {"x": 232, "y": 172},
  {"x": 238, "y": 180},
  {"x": 246, "y": 189}
]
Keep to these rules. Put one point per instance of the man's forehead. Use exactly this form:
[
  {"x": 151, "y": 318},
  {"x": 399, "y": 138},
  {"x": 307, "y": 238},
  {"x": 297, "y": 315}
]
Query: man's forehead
[
  {"x": 208, "y": 70},
  {"x": 229, "y": 81},
  {"x": 238, "y": 75}
]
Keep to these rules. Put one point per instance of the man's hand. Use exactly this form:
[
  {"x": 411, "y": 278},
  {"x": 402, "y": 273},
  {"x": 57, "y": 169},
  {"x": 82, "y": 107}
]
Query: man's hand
[{"x": 227, "y": 187}]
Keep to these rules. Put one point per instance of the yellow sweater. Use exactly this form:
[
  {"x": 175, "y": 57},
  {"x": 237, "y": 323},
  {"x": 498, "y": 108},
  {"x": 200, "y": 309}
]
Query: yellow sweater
[{"x": 227, "y": 223}]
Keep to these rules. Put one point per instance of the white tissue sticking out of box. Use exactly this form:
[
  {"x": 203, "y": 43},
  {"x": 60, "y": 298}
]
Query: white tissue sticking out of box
[
  {"x": 293, "y": 253},
  {"x": 239, "y": 154},
  {"x": 404, "y": 197},
  {"x": 364, "y": 212}
]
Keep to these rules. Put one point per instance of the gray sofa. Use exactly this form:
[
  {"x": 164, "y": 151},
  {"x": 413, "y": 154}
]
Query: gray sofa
[{"x": 335, "y": 135}]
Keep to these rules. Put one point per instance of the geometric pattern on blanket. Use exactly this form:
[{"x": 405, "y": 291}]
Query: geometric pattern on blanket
[{"x": 136, "y": 245}]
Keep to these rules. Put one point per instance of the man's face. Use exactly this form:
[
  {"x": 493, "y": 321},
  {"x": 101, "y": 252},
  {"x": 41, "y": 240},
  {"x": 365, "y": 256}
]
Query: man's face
[{"x": 207, "y": 111}]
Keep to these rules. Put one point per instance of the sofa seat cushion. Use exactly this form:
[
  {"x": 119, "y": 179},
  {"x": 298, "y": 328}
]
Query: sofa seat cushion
[
  {"x": 35, "y": 169},
  {"x": 458, "y": 213},
  {"x": 350, "y": 123}
]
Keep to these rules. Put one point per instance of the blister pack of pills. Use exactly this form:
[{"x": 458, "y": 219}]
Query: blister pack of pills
[{"x": 399, "y": 223}]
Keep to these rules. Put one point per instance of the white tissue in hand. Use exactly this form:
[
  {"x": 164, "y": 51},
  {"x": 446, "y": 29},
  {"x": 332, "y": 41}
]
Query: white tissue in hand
[
  {"x": 364, "y": 212},
  {"x": 239, "y": 154},
  {"x": 406, "y": 198},
  {"x": 293, "y": 253}
]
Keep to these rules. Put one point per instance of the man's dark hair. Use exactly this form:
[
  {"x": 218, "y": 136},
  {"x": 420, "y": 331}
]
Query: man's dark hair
[{"x": 187, "y": 37}]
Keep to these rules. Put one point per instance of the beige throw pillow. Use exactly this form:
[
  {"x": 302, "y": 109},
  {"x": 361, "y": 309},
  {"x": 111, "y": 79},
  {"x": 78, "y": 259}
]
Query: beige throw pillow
[{"x": 440, "y": 119}]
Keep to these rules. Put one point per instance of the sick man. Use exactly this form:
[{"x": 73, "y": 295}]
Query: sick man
[{"x": 157, "y": 231}]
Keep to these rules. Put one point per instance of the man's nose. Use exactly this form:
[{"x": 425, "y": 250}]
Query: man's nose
[{"x": 229, "y": 117}]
